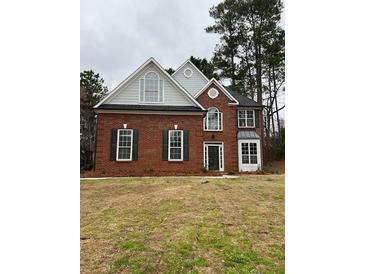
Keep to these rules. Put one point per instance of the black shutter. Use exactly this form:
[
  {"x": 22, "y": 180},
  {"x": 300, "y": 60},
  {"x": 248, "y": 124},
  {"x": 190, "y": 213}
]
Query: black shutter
[
  {"x": 257, "y": 118},
  {"x": 135, "y": 145},
  {"x": 186, "y": 145},
  {"x": 165, "y": 144},
  {"x": 113, "y": 144}
]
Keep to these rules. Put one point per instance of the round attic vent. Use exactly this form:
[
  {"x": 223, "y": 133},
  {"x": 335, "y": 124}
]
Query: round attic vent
[
  {"x": 213, "y": 93},
  {"x": 188, "y": 73}
]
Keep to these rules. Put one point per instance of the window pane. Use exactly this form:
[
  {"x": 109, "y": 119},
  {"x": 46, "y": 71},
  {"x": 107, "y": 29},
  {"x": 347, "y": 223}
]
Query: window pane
[
  {"x": 212, "y": 120},
  {"x": 244, "y": 148},
  {"x": 253, "y": 153},
  {"x": 175, "y": 153},
  {"x": 151, "y": 96},
  {"x": 249, "y": 113},
  {"x": 242, "y": 122},
  {"x": 250, "y": 122},
  {"x": 253, "y": 159},
  {"x": 245, "y": 157},
  {"x": 124, "y": 153},
  {"x": 241, "y": 114},
  {"x": 253, "y": 148}
]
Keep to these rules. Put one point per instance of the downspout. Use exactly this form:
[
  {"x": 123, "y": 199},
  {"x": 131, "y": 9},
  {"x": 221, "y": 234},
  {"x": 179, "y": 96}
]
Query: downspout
[{"x": 96, "y": 135}]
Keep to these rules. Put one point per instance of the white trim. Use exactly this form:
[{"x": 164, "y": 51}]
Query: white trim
[
  {"x": 191, "y": 74},
  {"x": 220, "y": 120},
  {"x": 226, "y": 92},
  {"x": 220, "y": 146},
  {"x": 182, "y": 146},
  {"x": 131, "y": 153},
  {"x": 151, "y": 60},
  {"x": 144, "y": 89},
  {"x": 192, "y": 64},
  {"x": 212, "y": 90},
  {"x": 238, "y": 118},
  {"x": 166, "y": 112},
  {"x": 249, "y": 167}
]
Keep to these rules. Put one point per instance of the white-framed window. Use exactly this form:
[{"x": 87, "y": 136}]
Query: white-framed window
[
  {"x": 151, "y": 88},
  {"x": 176, "y": 145},
  {"x": 213, "y": 120},
  {"x": 213, "y": 93},
  {"x": 188, "y": 73},
  {"x": 124, "y": 144},
  {"x": 246, "y": 118},
  {"x": 249, "y": 153}
]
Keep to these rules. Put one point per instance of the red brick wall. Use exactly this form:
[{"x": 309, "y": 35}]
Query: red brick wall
[
  {"x": 229, "y": 134},
  {"x": 150, "y": 128}
]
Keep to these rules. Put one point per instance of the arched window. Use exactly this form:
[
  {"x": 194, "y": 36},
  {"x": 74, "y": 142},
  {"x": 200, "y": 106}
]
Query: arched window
[
  {"x": 213, "y": 120},
  {"x": 151, "y": 87}
]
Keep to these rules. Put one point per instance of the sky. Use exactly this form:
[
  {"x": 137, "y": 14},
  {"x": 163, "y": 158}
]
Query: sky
[{"x": 117, "y": 36}]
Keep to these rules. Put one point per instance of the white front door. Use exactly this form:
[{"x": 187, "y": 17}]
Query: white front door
[{"x": 249, "y": 155}]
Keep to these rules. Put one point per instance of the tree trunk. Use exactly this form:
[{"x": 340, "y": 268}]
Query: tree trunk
[{"x": 276, "y": 101}]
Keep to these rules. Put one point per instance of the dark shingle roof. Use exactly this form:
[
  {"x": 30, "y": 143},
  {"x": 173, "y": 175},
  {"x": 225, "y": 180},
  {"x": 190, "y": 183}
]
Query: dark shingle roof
[
  {"x": 243, "y": 100},
  {"x": 150, "y": 108}
]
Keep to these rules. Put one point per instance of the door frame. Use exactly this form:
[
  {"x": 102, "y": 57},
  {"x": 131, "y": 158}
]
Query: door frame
[
  {"x": 220, "y": 146},
  {"x": 249, "y": 167}
]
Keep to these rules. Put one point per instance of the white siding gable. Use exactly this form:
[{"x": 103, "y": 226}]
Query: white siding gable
[
  {"x": 192, "y": 84},
  {"x": 128, "y": 94}
]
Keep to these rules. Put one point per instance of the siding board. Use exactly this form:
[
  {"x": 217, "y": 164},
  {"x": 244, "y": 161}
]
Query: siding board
[
  {"x": 130, "y": 93},
  {"x": 193, "y": 84}
]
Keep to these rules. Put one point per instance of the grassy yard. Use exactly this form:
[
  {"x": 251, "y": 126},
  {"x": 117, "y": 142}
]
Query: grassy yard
[{"x": 183, "y": 225}]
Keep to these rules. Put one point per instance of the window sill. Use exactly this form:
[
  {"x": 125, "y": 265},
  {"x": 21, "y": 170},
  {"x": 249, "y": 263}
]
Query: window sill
[
  {"x": 215, "y": 130},
  {"x": 246, "y": 127},
  {"x": 127, "y": 160},
  {"x": 175, "y": 161}
]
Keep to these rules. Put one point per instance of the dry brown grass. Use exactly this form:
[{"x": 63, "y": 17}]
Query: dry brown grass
[{"x": 179, "y": 225}]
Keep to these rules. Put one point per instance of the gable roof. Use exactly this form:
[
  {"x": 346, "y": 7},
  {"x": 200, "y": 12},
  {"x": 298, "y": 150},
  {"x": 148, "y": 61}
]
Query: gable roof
[
  {"x": 192, "y": 64},
  {"x": 145, "y": 64},
  {"x": 243, "y": 100},
  {"x": 226, "y": 92}
]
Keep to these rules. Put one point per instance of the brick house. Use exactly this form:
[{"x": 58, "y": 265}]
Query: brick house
[{"x": 156, "y": 124}]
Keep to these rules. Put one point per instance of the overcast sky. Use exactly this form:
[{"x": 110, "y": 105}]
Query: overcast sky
[{"x": 117, "y": 36}]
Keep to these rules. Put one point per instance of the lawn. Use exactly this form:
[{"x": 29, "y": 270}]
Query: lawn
[{"x": 183, "y": 225}]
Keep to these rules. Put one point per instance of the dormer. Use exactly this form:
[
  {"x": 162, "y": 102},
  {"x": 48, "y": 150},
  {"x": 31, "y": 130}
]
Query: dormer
[{"x": 190, "y": 77}]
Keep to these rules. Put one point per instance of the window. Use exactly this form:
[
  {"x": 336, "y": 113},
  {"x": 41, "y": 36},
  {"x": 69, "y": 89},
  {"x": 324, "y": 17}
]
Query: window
[
  {"x": 213, "y": 120},
  {"x": 246, "y": 118},
  {"x": 175, "y": 145},
  {"x": 249, "y": 153},
  {"x": 213, "y": 93},
  {"x": 124, "y": 144},
  {"x": 151, "y": 87},
  {"x": 188, "y": 73}
]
